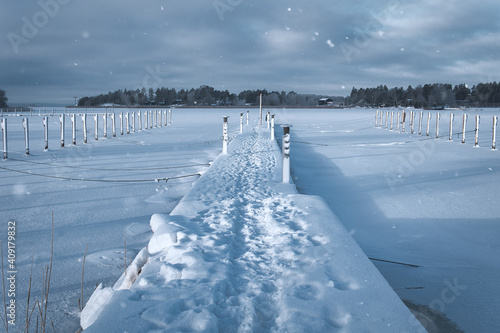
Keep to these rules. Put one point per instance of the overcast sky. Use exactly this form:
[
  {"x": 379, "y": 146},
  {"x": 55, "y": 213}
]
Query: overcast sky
[{"x": 53, "y": 50}]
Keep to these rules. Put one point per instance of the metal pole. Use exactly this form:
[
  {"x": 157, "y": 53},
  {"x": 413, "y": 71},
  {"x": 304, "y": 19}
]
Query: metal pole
[
  {"x": 133, "y": 122},
  {"x": 160, "y": 122},
  {"x": 73, "y": 128},
  {"x": 46, "y": 132},
  {"x": 286, "y": 155},
  {"x": 84, "y": 121},
  {"x": 224, "y": 135},
  {"x": 4, "y": 135},
  {"x": 386, "y": 118},
  {"x": 150, "y": 119},
  {"x": 170, "y": 116},
  {"x": 392, "y": 120},
  {"x": 397, "y": 123},
  {"x": 268, "y": 119},
  {"x": 26, "y": 136},
  {"x": 241, "y": 122},
  {"x": 248, "y": 117}
]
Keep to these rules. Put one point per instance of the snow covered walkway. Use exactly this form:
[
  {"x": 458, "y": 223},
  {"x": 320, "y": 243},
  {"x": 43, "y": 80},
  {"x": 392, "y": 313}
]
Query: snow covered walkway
[{"x": 244, "y": 253}]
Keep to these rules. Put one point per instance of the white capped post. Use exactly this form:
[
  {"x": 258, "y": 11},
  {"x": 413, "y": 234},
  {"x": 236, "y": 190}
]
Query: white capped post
[
  {"x": 477, "y": 130},
  {"x": 73, "y": 128},
  {"x": 170, "y": 116},
  {"x": 428, "y": 124},
  {"x": 403, "y": 122},
  {"x": 113, "y": 125},
  {"x": 127, "y": 122},
  {"x": 105, "y": 124},
  {"x": 463, "y": 127},
  {"x": 420, "y": 122},
  {"x": 224, "y": 135},
  {"x": 151, "y": 119},
  {"x": 286, "y": 154},
  {"x": 392, "y": 120},
  {"x": 438, "y": 116},
  {"x": 386, "y": 118},
  {"x": 166, "y": 118},
  {"x": 494, "y": 140},
  {"x": 121, "y": 123},
  {"x": 96, "y": 126},
  {"x": 139, "y": 120},
  {"x": 46, "y": 132},
  {"x": 3, "y": 124},
  {"x": 397, "y": 123},
  {"x": 272, "y": 127},
  {"x": 26, "y": 136},
  {"x": 268, "y": 119},
  {"x": 61, "y": 121},
  {"x": 412, "y": 117},
  {"x": 133, "y": 122},
  {"x": 452, "y": 116},
  {"x": 84, "y": 121},
  {"x": 260, "y": 121},
  {"x": 160, "y": 122},
  {"x": 241, "y": 122}
]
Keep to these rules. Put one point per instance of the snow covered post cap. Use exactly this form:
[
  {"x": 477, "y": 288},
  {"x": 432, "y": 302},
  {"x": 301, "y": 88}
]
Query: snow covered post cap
[
  {"x": 3, "y": 124},
  {"x": 286, "y": 154},
  {"x": 224, "y": 135}
]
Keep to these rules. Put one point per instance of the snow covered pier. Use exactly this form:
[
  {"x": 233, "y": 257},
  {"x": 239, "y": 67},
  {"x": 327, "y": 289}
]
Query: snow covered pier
[{"x": 243, "y": 252}]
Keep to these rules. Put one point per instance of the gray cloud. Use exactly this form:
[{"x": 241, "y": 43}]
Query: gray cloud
[{"x": 52, "y": 50}]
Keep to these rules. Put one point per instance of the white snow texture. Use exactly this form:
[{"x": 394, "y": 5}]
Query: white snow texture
[{"x": 243, "y": 252}]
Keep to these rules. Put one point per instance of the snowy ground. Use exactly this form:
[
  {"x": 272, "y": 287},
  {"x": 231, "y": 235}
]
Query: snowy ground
[
  {"x": 244, "y": 253},
  {"x": 429, "y": 202},
  {"x": 413, "y": 199}
]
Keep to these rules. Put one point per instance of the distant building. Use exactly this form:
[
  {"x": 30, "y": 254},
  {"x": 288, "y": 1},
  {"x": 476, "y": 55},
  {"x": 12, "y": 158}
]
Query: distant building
[{"x": 325, "y": 101}]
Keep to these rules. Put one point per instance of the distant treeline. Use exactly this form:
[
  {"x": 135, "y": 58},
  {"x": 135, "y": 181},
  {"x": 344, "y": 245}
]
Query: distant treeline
[
  {"x": 202, "y": 96},
  {"x": 430, "y": 95},
  {"x": 3, "y": 99}
]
